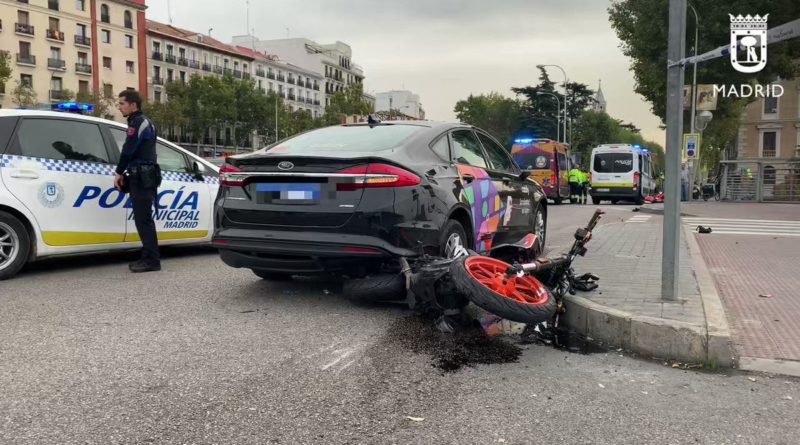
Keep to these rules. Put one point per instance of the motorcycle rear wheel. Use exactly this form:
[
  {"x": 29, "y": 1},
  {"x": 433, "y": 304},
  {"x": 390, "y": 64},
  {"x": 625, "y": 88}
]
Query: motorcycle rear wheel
[{"x": 522, "y": 299}]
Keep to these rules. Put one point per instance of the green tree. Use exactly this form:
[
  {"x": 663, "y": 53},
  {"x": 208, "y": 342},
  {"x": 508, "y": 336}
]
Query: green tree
[
  {"x": 540, "y": 112},
  {"x": 498, "y": 115},
  {"x": 5, "y": 70},
  {"x": 23, "y": 95},
  {"x": 347, "y": 102},
  {"x": 642, "y": 27}
]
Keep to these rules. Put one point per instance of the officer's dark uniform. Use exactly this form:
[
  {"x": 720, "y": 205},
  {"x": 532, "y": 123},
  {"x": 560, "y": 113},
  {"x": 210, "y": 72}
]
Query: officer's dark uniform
[{"x": 140, "y": 149}]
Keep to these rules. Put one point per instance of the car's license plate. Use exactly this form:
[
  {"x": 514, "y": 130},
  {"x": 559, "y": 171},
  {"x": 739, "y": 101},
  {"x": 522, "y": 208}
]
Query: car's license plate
[
  {"x": 603, "y": 190},
  {"x": 292, "y": 192}
]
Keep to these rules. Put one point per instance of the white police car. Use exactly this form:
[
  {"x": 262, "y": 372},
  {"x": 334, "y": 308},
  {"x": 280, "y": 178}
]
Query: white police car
[{"x": 57, "y": 192}]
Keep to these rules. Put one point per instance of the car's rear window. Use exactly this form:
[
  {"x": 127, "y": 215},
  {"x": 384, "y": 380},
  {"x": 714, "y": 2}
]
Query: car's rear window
[
  {"x": 347, "y": 139},
  {"x": 613, "y": 162}
]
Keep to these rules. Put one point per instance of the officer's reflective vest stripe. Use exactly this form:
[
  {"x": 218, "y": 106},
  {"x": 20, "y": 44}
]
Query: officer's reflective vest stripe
[{"x": 575, "y": 175}]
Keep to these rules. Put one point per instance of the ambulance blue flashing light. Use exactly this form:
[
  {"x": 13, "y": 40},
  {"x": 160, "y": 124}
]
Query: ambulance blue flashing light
[{"x": 524, "y": 140}]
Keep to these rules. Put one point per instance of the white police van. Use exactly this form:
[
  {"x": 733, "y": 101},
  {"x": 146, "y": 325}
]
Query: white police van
[
  {"x": 57, "y": 192},
  {"x": 621, "y": 172}
]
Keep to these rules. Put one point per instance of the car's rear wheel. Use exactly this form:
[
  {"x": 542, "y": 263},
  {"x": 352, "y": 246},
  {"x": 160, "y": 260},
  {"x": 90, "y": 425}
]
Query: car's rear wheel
[
  {"x": 453, "y": 239},
  {"x": 15, "y": 245},
  {"x": 272, "y": 276}
]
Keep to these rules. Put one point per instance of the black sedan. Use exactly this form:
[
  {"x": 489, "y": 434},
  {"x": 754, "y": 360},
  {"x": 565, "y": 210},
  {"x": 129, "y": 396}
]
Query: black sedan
[{"x": 352, "y": 199}]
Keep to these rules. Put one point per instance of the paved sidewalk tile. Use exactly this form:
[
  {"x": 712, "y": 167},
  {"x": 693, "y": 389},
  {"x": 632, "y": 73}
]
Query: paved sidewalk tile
[{"x": 627, "y": 257}]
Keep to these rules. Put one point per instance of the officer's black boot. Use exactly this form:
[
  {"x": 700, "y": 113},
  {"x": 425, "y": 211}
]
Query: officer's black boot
[{"x": 144, "y": 266}]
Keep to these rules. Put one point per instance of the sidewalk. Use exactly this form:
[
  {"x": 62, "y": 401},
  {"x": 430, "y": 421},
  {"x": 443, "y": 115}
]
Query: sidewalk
[{"x": 627, "y": 311}]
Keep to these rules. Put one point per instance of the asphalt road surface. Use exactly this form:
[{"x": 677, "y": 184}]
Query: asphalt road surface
[{"x": 202, "y": 353}]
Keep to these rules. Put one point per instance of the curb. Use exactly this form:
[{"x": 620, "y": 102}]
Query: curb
[{"x": 658, "y": 337}]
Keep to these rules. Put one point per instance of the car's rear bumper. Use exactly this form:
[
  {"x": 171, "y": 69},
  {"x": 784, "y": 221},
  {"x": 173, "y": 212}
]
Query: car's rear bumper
[{"x": 302, "y": 252}]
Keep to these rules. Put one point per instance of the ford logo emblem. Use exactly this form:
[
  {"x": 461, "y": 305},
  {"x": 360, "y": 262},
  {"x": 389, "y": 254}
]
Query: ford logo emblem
[{"x": 285, "y": 165}]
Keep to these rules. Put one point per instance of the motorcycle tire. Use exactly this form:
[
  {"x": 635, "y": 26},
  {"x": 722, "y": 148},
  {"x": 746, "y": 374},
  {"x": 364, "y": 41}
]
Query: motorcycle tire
[
  {"x": 522, "y": 299},
  {"x": 383, "y": 287}
]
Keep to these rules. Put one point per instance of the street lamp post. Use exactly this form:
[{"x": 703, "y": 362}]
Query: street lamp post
[
  {"x": 692, "y": 118},
  {"x": 558, "y": 112},
  {"x": 566, "y": 97}
]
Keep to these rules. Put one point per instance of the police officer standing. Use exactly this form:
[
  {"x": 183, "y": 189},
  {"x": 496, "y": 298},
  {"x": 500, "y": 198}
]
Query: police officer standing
[
  {"x": 584, "y": 185},
  {"x": 138, "y": 162},
  {"x": 575, "y": 179}
]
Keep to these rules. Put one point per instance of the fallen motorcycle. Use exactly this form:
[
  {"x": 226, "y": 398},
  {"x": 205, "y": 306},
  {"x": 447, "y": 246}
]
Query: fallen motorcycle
[{"x": 515, "y": 282}]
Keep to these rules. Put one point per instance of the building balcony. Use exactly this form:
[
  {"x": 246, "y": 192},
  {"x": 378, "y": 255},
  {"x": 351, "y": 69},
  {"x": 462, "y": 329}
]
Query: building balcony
[
  {"x": 105, "y": 18},
  {"x": 217, "y": 69},
  {"x": 309, "y": 85},
  {"x": 83, "y": 40},
  {"x": 260, "y": 73},
  {"x": 281, "y": 78},
  {"x": 129, "y": 24},
  {"x": 316, "y": 87},
  {"x": 58, "y": 95},
  {"x": 170, "y": 58},
  {"x": 316, "y": 101},
  {"x": 157, "y": 56},
  {"x": 246, "y": 75},
  {"x": 237, "y": 74},
  {"x": 194, "y": 64},
  {"x": 206, "y": 67},
  {"x": 54, "y": 34},
  {"x": 158, "y": 81},
  {"x": 26, "y": 59},
  {"x": 83, "y": 68},
  {"x": 24, "y": 29},
  {"x": 182, "y": 61},
  {"x": 291, "y": 80},
  {"x": 271, "y": 75},
  {"x": 292, "y": 97},
  {"x": 57, "y": 64},
  {"x": 227, "y": 71}
]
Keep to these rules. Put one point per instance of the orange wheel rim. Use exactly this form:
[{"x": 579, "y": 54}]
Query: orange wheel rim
[{"x": 491, "y": 273}]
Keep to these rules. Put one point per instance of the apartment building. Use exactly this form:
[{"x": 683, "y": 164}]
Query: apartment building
[
  {"x": 58, "y": 47},
  {"x": 298, "y": 87}
]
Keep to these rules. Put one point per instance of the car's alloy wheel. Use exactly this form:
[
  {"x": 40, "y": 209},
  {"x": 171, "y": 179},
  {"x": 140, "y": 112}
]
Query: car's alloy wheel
[{"x": 9, "y": 245}]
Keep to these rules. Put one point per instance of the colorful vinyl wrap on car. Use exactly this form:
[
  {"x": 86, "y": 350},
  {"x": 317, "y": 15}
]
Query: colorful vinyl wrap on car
[{"x": 487, "y": 207}]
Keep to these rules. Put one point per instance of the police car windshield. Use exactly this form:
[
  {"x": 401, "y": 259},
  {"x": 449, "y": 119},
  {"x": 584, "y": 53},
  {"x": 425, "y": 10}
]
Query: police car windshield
[{"x": 348, "y": 138}]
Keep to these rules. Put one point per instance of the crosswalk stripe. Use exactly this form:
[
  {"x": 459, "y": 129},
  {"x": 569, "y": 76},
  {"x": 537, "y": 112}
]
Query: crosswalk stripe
[{"x": 729, "y": 226}]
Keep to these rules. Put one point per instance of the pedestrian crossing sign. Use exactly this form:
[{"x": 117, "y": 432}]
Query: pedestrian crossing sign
[{"x": 691, "y": 146}]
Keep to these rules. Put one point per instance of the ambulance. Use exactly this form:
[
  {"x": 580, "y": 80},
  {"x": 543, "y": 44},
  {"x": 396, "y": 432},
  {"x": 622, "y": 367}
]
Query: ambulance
[{"x": 57, "y": 194}]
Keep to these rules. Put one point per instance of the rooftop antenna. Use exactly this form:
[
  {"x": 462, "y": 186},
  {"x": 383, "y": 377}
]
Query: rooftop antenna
[
  {"x": 169, "y": 11},
  {"x": 247, "y": 8}
]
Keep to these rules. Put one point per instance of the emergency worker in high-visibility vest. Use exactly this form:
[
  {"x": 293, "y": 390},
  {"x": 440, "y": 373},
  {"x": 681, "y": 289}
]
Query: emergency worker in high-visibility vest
[{"x": 575, "y": 179}]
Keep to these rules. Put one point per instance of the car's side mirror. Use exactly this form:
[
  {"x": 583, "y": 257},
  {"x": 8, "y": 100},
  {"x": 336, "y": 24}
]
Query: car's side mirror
[
  {"x": 524, "y": 175},
  {"x": 199, "y": 170}
]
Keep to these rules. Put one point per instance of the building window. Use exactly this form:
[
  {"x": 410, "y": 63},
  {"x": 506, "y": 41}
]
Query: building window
[
  {"x": 26, "y": 79},
  {"x": 128, "y": 41},
  {"x": 108, "y": 90},
  {"x": 107, "y": 62},
  {"x": 128, "y": 20},
  {"x": 170, "y": 75},
  {"x": 106, "y": 35},
  {"x": 769, "y": 147},
  {"x": 770, "y": 105},
  {"x": 182, "y": 75},
  {"x": 52, "y": 4},
  {"x": 83, "y": 58},
  {"x": 83, "y": 87},
  {"x": 104, "y": 17},
  {"x": 80, "y": 5},
  {"x": 158, "y": 96},
  {"x": 128, "y": 66},
  {"x": 56, "y": 86},
  {"x": 769, "y": 175}
]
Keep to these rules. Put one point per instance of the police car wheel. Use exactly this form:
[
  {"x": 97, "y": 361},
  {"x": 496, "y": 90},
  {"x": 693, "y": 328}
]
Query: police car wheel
[{"x": 15, "y": 245}]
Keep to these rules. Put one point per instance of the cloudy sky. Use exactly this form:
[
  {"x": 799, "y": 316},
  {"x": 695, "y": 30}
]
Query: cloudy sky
[{"x": 442, "y": 50}]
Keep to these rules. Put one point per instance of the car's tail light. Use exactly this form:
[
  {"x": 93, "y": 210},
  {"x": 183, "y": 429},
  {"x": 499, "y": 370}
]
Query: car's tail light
[
  {"x": 636, "y": 177},
  {"x": 360, "y": 250},
  {"x": 553, "y": 179},
  {"x": 220, "y": 242},
  {"x": 228, "y": 176},
  {"x": 377, "y": 175}
]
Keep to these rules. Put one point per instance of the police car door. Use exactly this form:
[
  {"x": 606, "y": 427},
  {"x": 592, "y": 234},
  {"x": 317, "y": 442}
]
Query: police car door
[
  {"x": 61, "y": 170},
  {"x": 184, "y": 205}
]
